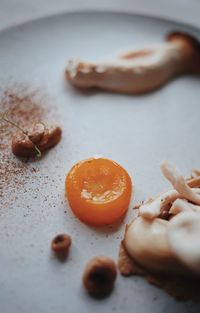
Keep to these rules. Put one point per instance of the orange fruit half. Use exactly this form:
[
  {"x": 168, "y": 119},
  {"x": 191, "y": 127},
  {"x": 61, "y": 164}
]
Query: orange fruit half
[{"x": 98, "y": 191}]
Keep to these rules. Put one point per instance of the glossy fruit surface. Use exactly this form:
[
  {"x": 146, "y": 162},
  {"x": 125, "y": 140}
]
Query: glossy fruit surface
[{"x": 98, "y": 191}]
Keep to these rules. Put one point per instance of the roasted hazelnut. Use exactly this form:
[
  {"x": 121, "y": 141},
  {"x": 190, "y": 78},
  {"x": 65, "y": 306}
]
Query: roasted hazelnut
[
  {"x": 60, "y": 245},
  {"x": 164, "y": 214},
  {"x": 40, "y": 136},
  {"x": 99, "y": 276}
]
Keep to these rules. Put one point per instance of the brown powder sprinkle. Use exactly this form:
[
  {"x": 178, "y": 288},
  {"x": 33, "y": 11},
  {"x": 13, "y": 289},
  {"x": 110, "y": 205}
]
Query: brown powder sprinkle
[{"x": 26, "y": 107}]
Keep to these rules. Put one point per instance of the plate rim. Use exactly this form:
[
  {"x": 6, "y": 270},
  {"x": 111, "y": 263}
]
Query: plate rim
[{"x": 99, "y": 12}]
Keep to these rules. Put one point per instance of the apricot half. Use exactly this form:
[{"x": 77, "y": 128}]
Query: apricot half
[{"x": 98, "y": 191}]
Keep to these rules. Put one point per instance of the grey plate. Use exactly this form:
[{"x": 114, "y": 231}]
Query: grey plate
[{"x": 138, "y": 132}]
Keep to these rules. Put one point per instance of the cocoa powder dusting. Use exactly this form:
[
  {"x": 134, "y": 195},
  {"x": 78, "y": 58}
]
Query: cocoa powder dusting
[{"x": 25, "y": 107}]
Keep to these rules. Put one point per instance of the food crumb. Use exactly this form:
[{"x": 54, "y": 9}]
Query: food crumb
[{"x": 60, "y": 245}]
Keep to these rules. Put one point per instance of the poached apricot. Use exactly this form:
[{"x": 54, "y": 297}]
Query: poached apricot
[{"x": 98, "y": 191}]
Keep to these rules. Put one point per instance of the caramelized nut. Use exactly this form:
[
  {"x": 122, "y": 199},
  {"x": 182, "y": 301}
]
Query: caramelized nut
[
  {"x": 99, "y": 276},
  {"x": 61, "y": 244},
  {"x": 40, "y": 136},
  {"x": 164, "y": 215}
]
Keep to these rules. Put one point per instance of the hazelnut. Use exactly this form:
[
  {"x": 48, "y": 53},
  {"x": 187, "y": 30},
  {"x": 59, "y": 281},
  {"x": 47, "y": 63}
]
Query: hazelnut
[
  {"x": 99, "y": 276},
  {"x": 42, "y": 137},
  {"x": 164, "y": 215},
  {"x": 61, "y": 244}
]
